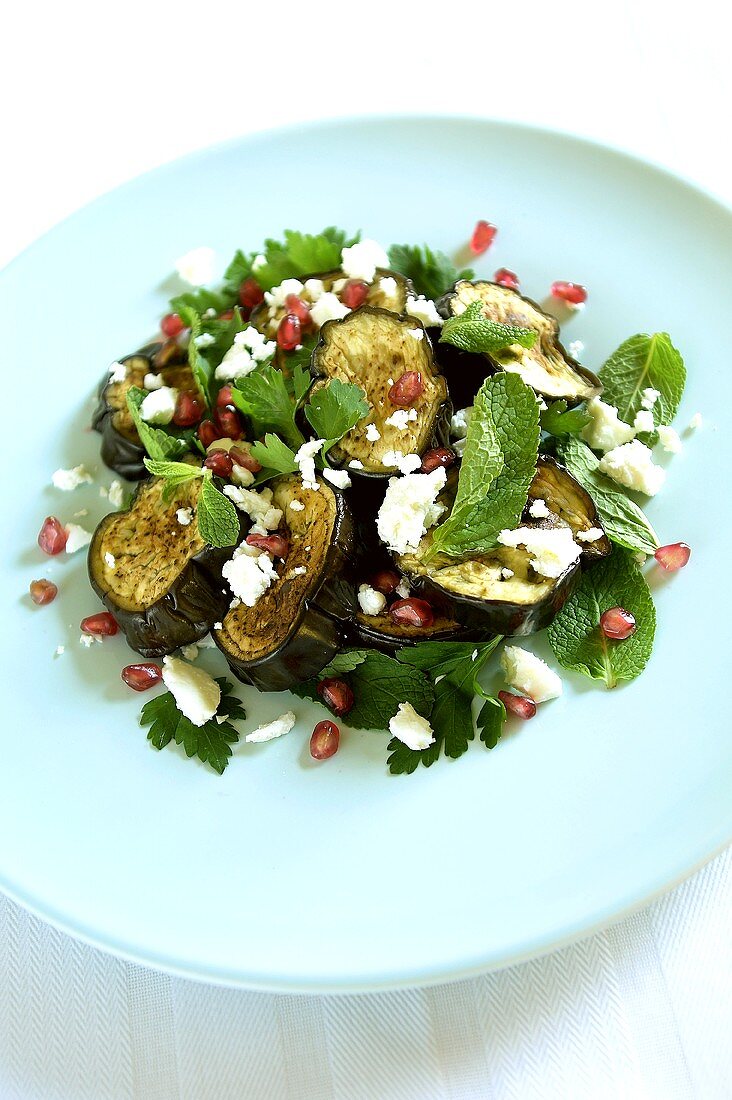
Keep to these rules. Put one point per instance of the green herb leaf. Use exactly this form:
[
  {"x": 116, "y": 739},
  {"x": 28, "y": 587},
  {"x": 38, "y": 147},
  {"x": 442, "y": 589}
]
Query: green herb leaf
[
  {"x": 640, "y": 363},
  {"x": 473, "y": 331},
  {"x": 299, "y": 254},
  {"x": 238, "y": 270},
  {"x": 557, "y": 420},
  {"x": 263, "y": 397},
  {"x": 431, "y": 272},
  {"x": 334, "y": 409},
  {"x": 177, "y": 473},
  {"x": 302, "y": 380},
  {"x": 157, "y": 443},
  {"x": 210, "y": 742},
  {"x": 218, "y": 520},
  {"x": 201, "y": 369},
  {"x": 275, "y": 457},
  {"x": 624, "y": 522},
  {"x": 575, "y": 634},
  {"x": 345, "y": 661},
  {"x": 490, "y": 721},
  {"x": 202, "y": 299}
]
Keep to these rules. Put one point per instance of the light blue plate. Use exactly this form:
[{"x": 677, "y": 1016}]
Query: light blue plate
[{"x": 285, "y": 874}]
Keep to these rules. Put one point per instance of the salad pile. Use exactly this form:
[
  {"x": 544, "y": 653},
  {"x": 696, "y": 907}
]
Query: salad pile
[{"x": 360, "y": 475}]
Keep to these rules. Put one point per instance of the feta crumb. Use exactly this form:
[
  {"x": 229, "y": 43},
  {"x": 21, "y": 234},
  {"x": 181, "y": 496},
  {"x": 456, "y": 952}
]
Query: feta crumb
[
  {"x": 605, "y": 430},
  {"x": 405, "y": 464},
  {"x": 184, "y": 516},
  {"x": 328, "y": 308},
  {"x": 249, "y": 576},
  {"x": 241, "y": 476},
  {"x": 190, "y": 652},
  {"x": 314, "y": 289},
  {"x": 152, "y": 382},
  {"x": 409, "y": 508},
  {"x": 87, "y": 640},
  {"x": 59, "y": 650},
  {"x": 339, "y": 478},
  {"x": 277, "y": 295},
  {"x": 644, "y": 421},
  {"x": 529, "y": 674},
  {"x": 632, "y": 466},
  {"x": 696, "y": 422},
  {"x": 249, "y": 348},
  {"x": 507, "y": 573},
  {"x": 117, "y": 373},
  {"x": 459, "y": 423},
  {"x": 424, "y": 310},
  {"x": 538, "y": 509},
  {"x": 417, "y": 333},
  {"x": 440, "y": 677},
  {"x": 297, "y": 506},
  {"x": 270, "y": 730},
  {"x": 552, "y": 551},
  {"x": 259, "y": 261},
  {"x": 361, "y": 260},
  {"x": 204, "y": 340},
  {"x": 401, "y": 419},
  {"x": 338, "y": 285},
  {"x": 372, "y": 433},
  {"x": 299, "y": 571},
  {"x": 592, "y": 535},
  {"x": 649, "y": 397},
  {"x": 669, "y": 439},
  {"x": 197, "y": 266},
  {"x": 305, "y": 462},
  {"x": 110, "y": 559},
  {"x": 76, "y": 537},
  {"x": 576, "y": 348},
  {"x": 257, "y": 505},
  {"x": 411, "y": 728},
  {"x": 370, "y": 600},
  {"x": 71, "y": 479},
  {"x": 218, "y": 626},
  {"x": 388, "y": 286},
  {"x": 356, "y": 464},
  {"x": 402, "y": 589},
  {"x": 116, "y": 494},
  {"x": 81, "y": 512},
  {"x": 158, "y": 407},
  {"x": 196, "y": 694},
  {"x": 209, "y": 313}
]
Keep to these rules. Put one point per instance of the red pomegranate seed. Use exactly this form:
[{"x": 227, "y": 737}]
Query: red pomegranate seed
[
  {"x": 172, "y": 325},
  {"x": 617, "y": 623},
  {"x": 483, "y": 236},
  {"x": 674, "y": 556},
  {"x": 142, "y": 677},
  {"x": 101, "y": 625},
  {"x": 219, "y": 462},
  {"x": 250, "y": 293},
  {"x": 223, "y": 398},
  {"x": 438, "y": 456},
  {"x": 385, "y": 581},
  {"x": 412, "y": 612},
  {"x": 226, "y": 315},
  {"x": 241, "y": 456},
  {"x": 208, "y": 433},
  {"x": 504, "y": 277},
  {"x": 518, "y": 705},
  {"x": 276, "y": 545},
  {"x": 298, "y": 308},
  {"x": 572, "y": 293},
  {"x": 337, "y": 696},
  {"x": 289, "y": 333},
  {"x": 42, "y": 592},
  {"x": 324, "y": 740},
  {"x": 52, "y": 536},
  {"x": 229, "y": 423},
  {"x": 188, "y": 410},
  {"x": 354, "y": 293},
  {"x": 407, "y": 389}
]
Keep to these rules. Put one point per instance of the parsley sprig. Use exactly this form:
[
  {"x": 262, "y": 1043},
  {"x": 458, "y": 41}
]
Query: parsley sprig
[
  {"x": 431, "y": 272},
  {"x": 210, "y": 742}
]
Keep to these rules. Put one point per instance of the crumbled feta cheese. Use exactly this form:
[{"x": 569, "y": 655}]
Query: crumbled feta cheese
[
  {"x": 401, "y": 418},
  {"x": 116, "y": 494},
  {"x": 217, "y": 626},
  {"x": 158, "y": 406},
  {"x": 459, "y": 423},
  {"x": 152, "y": 381},
  {"x": 277, "y": 295},
  {"x": 388, "y": 286},
  {"x": 110, "y": 559},
  {"x": 669, "y": 439},
  {"x": 409, "y": 508},
  {"x": 249, "y": 576},
  {"x": 507, "y": 573},
  {"x": 552, "y": 551},
  {"x": 405, "y": 464},
  {"x": 299, "y": 571},
  {"x": 270, "y": 730},
  {"x": 196, "y": 694},
  {"x": 339, "y": 478},
  {"x": 184, "y": 516},
  {"x": 576, "y": 348},
  {"x": 190, "y": 652},
  {"x": 204, "y": 340},
  {"x": 257, "y": 505},
  {"x": 259, "y": 261},
  {"x": 529, "y": 674},
  {"x": 328, "y": 308},
  {"x": 592, "y": 535},
  {"x": 314, "y": 289},
  {"x": 411, "y": 728},
  {"x": 87, "y": 640},
  {"x": 605, "y": 429},
  {"x": 209, "y": 313},
  {"x": 361, "y": 260},
  {"x": 632, "y": 466},
  {"x": 424, "y": 310},
  {"x": 81, "y": 512},
  {"x": 241, "y": 476},
  {"x": 305, "y": 462},
  {"x": 370, "y": 600},
  {"x": 649, "y": 397},
  {"x": 644, "y": 421},
  {"x": 117, "y": 373},
  {"x": 356, "y": 464},
  {"x": 76, "y": 537},
  {"x": 59, "y": 650},
  {"x": 538, "y": 509},
  {"x": 250, "y": 347},
  {"x": 417, "y": 333},
  {"x": 297, "y": 506},
  {"x": 402, "y": 589},
  {"x": 197, "y": 266},
  {"x": 338, "y": 285},
  {"x": 71, "y": 479},
  {"x": 696, "y": 422},
  {"x": 372, "y": 433}
]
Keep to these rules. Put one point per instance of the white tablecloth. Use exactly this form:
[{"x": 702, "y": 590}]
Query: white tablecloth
[{"x": 92, "y": 94}]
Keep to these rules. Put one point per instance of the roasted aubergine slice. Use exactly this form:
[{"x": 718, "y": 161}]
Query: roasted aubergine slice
[
  {"x": 381, "y": 632},
  {"x": 568, "y": 502},
  {"x": 376, "y": 348},
  {"x": 547, "y": 367},
  {"x": 299, "y": 624},
  {"x": 155, "y": 574}
]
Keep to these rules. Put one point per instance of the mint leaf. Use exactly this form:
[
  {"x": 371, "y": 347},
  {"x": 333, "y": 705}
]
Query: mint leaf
[
  {"x": 218, "y": 520},
  {"x": 557, "y": 420},
  {"x": 499, "y": 462},
  {"x": 432, "y": 273},
  {"x": 575, "y": 634},
  {"x": 210, "y": 742},
  {"x": 334, "y": 409},
  {"x": 157, "y": 443},
  {"x": 473, "y": 331},
  {"x": 640, "y": 363},
  {"x": 263, "y": 397},
  {"x": 275, "y": 456},
  {"x": 624, "y": 522},
  {"x": 345, "y": 661},
  {"x": 176, "y": 473}
]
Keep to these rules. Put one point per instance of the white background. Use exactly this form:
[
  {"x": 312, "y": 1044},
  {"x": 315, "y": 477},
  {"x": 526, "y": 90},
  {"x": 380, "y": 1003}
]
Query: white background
[{"x": 93, "y": 95}]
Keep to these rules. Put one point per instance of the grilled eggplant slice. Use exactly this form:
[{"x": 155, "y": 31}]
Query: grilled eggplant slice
[
  {"x": 379, "y": 632},
  {"x": 568, "y": 502},
  {"x": 299, "y": 624},
  {"x": 547, "y": 367},
  {"x": 374, "y": 348},
  {"x": 159, "y": 579}
]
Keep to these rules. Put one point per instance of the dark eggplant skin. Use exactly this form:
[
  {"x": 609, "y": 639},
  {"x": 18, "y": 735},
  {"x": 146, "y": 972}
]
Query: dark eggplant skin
[
  {"x": 191, "y": 604},
  {"x": 319, "y": 628},
  {"x": 379, "y": 632}
]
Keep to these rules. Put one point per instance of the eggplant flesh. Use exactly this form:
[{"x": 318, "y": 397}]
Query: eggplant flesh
[
  {"x": 299, "y": 624},
  {"x": 380, "y": 632},
  {"x": 547, "y": 367},
  {"x": 158, "y": 577},
  {"x": 568, "y": 503}
]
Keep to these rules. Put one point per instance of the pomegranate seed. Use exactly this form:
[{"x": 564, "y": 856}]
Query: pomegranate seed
[
  {"x": 412, "y": 612},
  {"x": 42, "y": 592},
  {"x": 172, "y": 325},
  {"x": 674, "y": 556},
  {"x": 324, "y": 740},
  {"x": 483, "y": 236},
  {"x": 52, "y": 536},
  {"x": 101, "y": 625},
  {"x": 518, "y": 705},
  {"x": 226, "y": 315},
  {"x": 223, "y": 398},
  {"x": 354, "y": 293},
  {"x": 289, "y": 333},
  {"x": 438, "y": 456},
  {"x": 407, "y": 389},
  {"x": 386, "y": 582},
  {"x": 276, "y": 545},
  {"x": 188, "y": 410},
  {"x": 142, "y": 677},
  {"x": 337, "y": 696},
  {"x": 219, "y": 462},
  {"x": 504, "y": 277},
  {"x": 298, "y": 308},
  {"x": 242, "y": 456},
  {"x": 617, "y": 623},
  {"x": 229, "y": 423},
  {"x": 250, "y": 293},
  {"x": 572, "y": 293},
  {"x": 208, "y": 433}
]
